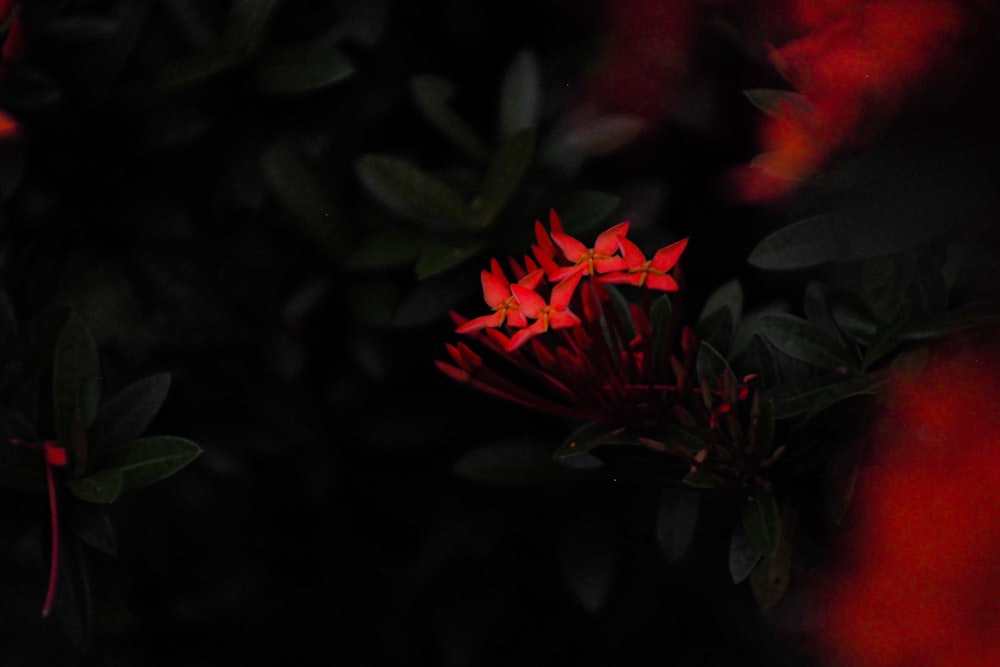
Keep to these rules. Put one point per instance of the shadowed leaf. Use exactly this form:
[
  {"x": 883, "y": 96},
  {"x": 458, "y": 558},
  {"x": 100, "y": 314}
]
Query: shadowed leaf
[
  {"x": 128, "y": 415},
  {"x": 302, "y": 68}
]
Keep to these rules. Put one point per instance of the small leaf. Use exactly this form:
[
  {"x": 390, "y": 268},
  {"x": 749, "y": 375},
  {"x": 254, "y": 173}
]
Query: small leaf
[
  {"x": 520, "y": 94},
  {"x": 505, "y": 173},
  {"x": 432, "y": 93},
  {"x": 816, "y": 304},
  {"x": 93, "y": 526},
  {"x": 443, "y": 254},
  {"x": 302, "y": 68},
  {"x": 127, "y": 416},
  {"x": 434, "y": 297},
  {"x": 302, "y": 195},
  {"x": 510, "y": 462},
  {"x": 771, "y": 577},
  {"x": 194, "y": 70},
  {"x": 712, "y": 366},
  {"x": 775, "y": 102},
  {"x": 762, "y": 521},
  {"x": 661, "y": 319},
  {"x": 581, "y": 211},
  {"x": 136, "y": 464},
  {"x": 853, "y": 317},
  {"x": 75, "y": 389},
  {"x": 729, "y": 295},
  {"x": 884, "y": 285},
  {"x": 590, "y": 436},
  {"x": 743, "y": 557},
  {"x": 676, "y": 521},
  {"x": 246, "y": 24},
  {"x": 805, "y": 341},
  {"x": 388, "y": 249},
  {"x": 411, "y": 192},
  {"x": 816, "y": 395},
  {"x": 101, "y": 487},
  {"x": 716, "y": 329}
]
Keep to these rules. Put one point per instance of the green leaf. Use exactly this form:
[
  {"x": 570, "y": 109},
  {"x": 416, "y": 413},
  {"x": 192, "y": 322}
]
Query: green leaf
[
  {"x": 815, "y": 396},
  {"x": 712, "y": 366},
  {"x": 581, "y": 211},
  {"x": 434, "y": 297},
  {"x": 762, "y": 521},
  {"x": 676, "y": 521},
  {"x": 432, "y": 94},
  {"x": 802, "y": 340},
  {"x": 887, "y": 338},
  {"x": 388, "y": 249},
  {"x": 246, "y": 24},
  {"x": 136, "y": 464},
  {"x": 727, "y": 296},
  {"x": 505, "y": 173},
  {"x": 590, "y": 436},
  {"x": 411, "y": 192},
  {"x": 661, "y": 319},
  {"x": 101, "y": 487},
  {"x": 772, "y": 101},
  {"x": 302, "y": 68},
  {"x": 127, "y": 416},
  {"x": 716, "y": 329},
  {"x": 75, "y": 389},
  {"x": 884, "y": 285},
  {"x": 743, "y": 557},
  {"x": 816, "y": 304},
  {"x": 520, "y": 94},
  {"x": 769, "y": 580},
  {"x": 194, "y": 70},
  {"x": 510, "y": 462},
  {"x": 302, "y": 195},
  {"x": 853, "y": 317},
  {"x": 443, "y": 254}
]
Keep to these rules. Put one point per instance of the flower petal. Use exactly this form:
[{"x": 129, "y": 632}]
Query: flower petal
[
  {"x": 665, "y": 258},
  {"x": 562, "y": 293},
  {"x": 496, "y": 288},
  {"x": 607, "y": 241},
  {"x": 633, "y": 255},
  {"x": 572, "y": 249},
  {"x": 492, "y": 320},
  {"x": 661, "y": 282},
  {"x": 609, "y": 264},
  {"x": 531, "y": 280},
  {"x": 563, "y": 319},
  {"x": 528, "y": 300},
  {"x": 524, "y": 335}
]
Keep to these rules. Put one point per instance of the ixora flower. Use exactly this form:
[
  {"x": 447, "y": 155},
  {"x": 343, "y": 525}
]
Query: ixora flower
[{"x": 589, "y": 354}]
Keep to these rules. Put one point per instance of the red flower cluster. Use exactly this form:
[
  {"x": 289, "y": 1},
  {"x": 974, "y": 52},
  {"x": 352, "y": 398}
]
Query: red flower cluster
[{"x": 599, "y": 362}]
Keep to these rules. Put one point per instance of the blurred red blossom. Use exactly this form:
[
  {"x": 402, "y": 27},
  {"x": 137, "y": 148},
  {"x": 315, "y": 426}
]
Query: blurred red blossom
[
  {"x": 12, "y": 40},
  {"x": 921, "y": 586}
]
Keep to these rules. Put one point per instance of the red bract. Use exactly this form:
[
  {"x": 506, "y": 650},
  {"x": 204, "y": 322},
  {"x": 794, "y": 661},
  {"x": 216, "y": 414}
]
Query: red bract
[{"x": 586, "y": 354}]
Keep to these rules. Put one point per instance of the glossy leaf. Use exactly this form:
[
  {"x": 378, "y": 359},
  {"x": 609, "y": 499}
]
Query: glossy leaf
[
  {"x": 127, "y": 416},
  {"x": 520, "y": 94},
  {"x": 246, "y": 25},
  {"x": 590, "y": 436},
  {"x": 443, "y": 254},
  {"x": 510, "y": 462},
  {"x": 305, "y": 198},
  {"x": 411, "y": 192},
  {"x": 302, "y": 68},
  {"x": 505, "y": 173},
  {"x": 432, "y": 94},
  {"x": 676, "y": 521},
  {"x": 762, "y": 521},
  {"x": 743, "y": 556},
  {"x": 75, "y": 389},
  {"x": 136, "y": 464},
  {"x": 802, "y": 340}
]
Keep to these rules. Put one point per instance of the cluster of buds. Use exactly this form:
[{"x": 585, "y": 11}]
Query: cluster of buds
[{"x": 580, "y": 350}]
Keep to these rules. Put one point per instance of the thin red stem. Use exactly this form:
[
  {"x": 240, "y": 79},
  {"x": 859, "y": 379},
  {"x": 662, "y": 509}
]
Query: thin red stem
[{"x": 50, "y": 595}]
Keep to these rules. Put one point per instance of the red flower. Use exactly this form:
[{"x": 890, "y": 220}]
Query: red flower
[
  {"x": 555, "y": 314},
  {"x": 650, "y": 273},
  {"x": 602, "y": 258},
  {"x": 498, "y": 296}
]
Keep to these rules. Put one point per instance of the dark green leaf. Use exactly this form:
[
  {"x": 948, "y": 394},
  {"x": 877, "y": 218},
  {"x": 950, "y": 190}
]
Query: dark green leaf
[
  {"x": 815, "y": 395},
  {"x": 771, "y": 577},
  {"x": 412, "y": 192},
  {"x": 774, "y": 102},
  {"x": 520, "y": 94},
  {"x": 661, "y": 319},
  {"x": 728, "y": 296},
  {"x": 136, "y": 464},
  {"x": 302, "y": 195},
  {"x": 712, "y": 366},
  {"x": 762, "y": 521},
  {"x": 676, "y": 521},
  {"x": 432, "y": 93},
  {"x": 588, "y": 550},
  {"x": 93, "y": 526},
  {"x": 816, "y": 304},
  {"x": 127, "y": 416},
  {"x": 580, "y": 211},
  {"x": 760, "y": 360},
  {"x": 195, "y": 70},
  {"x": 884, "y": 283},
  {"x": 622, "y": 312},
  {"x": 716, "y": 329},
  {"x": 388, "y": 249},
  {"x": 588, "y": 437},
  {"x": 887, "y": 338},
  {"x": 700, "y": 479},
  {"x": 743, "y": 557},
  {"x": 434, "y": 297},
  {"x": 302, "y": 68},
  {"x": 505, "y": 173},
  {"x": 75, "y": 389},
  {"x": 245, "y": 26},
  {"x": 805, "y": 341},
  {"x": 443, "y": 254},
  {"x": 853, "y": 317},
  {"x": 677, "y": 435},
  {"x": 510, "y": 462}
]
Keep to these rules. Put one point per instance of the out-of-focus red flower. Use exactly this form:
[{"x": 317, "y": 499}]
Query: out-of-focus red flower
[
  {"x": 921, "y": 586},
  {"x": 12, "y": 40},
  {"x": 856, "y": 63}
]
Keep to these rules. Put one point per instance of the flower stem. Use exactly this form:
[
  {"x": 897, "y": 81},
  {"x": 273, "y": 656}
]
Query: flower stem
[{"x": 50, "y": 594}]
